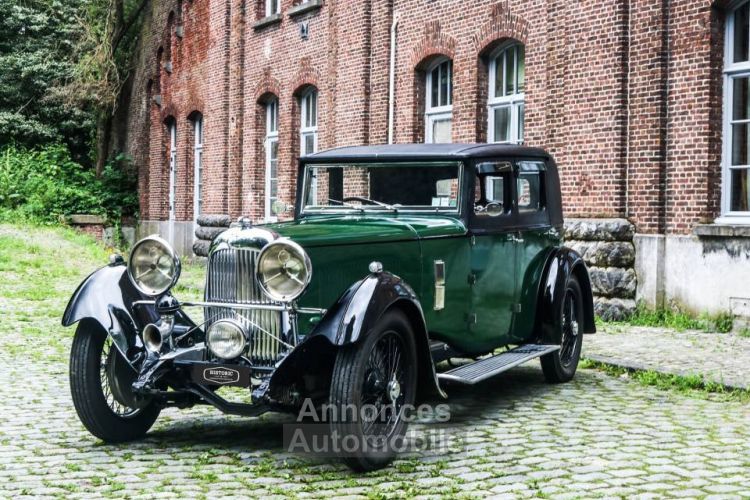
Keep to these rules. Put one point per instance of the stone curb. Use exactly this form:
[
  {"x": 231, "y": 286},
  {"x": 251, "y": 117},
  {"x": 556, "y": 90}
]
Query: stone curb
[{"x": 636, "y": 366}]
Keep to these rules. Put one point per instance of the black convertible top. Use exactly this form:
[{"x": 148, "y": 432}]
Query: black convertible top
[{"x": 412, "y": 152}]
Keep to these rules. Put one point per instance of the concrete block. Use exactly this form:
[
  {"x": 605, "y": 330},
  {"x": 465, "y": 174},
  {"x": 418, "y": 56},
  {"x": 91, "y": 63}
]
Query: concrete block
[
  {"x": 649, "y": 269},
  {"x": 214, "y": 220},
  {"x": 614, "y": 309},
  {"x": 605, "y": 253},
  {"x": 613, "y": 282},
  {"x": 208, "y": 233},
  {"x": 599, "y": 229}
]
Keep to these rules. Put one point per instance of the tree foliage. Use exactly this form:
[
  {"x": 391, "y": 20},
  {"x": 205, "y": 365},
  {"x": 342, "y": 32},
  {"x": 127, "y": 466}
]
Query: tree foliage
[
  {"x": 105, "y": 48},
  {"x": 37, "y": 43},
  {"x": 44, "y": 185}
]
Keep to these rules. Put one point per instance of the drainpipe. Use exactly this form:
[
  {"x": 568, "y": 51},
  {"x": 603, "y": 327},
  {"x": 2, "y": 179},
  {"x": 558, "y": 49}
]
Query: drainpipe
[{"x": 392, "y": 78}]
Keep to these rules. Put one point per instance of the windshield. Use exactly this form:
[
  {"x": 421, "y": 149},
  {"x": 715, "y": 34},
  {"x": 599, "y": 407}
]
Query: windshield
[{"x": 395, "y": 187}]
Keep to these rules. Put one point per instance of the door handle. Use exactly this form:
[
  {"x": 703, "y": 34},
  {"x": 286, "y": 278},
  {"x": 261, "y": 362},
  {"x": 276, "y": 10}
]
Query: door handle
[{"x": 515, "y": 239}]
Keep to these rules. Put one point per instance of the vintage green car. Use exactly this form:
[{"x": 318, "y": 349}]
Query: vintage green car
[{"x": 398, "y": 257}]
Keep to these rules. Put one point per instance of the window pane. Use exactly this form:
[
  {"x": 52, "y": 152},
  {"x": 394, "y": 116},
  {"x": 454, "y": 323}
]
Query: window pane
[
  {"x": 741, "y": 105},
  {"x": 309, "y": 146},
  {"x": 529, "y": 192},
  {"x": 434, "y": 83},
  {"x": 740, "y": 141},
  {"x": 308, "y": 110},
  {"x": 521, "y": 69},
  {"x": 313, "y": 108},
  {"x": 510, "y": 68},
  {"x": 502, "y": 124},
  {"x": 740, "y": 191},
  {"x": 521, "y": 121},
  {"x": 441, "y": 130},
  {"x": 450, "y": 82},
  {"x": 741, "y": 33},
  {"x": 499, "y": 75},
  {"x": 444, "y": 76}
]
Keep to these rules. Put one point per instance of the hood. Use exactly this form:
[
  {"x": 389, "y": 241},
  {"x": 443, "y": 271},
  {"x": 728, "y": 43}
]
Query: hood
[{"x": 353, "y": 229}]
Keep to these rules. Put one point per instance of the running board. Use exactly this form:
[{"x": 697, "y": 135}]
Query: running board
[{"x": 485, "y": 368}]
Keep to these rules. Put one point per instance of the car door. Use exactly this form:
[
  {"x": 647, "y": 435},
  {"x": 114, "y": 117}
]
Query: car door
[
  {"x": 493, "y": 256},
  {"x": 535, "y": 239}
]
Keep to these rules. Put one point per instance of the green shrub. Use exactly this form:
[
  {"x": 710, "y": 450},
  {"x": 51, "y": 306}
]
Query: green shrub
[
  {"x": 45, "y": 185},
  {"x": 675, "y": 318}
]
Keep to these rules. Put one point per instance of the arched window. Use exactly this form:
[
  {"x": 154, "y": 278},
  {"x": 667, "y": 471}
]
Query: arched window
[
  {"x": 505, "y": 103},
  {"x": 309, "y": 129},
  {"x": 172, "y": 134},
  {"x": 438, "y": 109},
  {"x": 736, "y": 156},
  {"x": 272, "y": 158},
  {"x": 309, "y": 122},
  {"x": 198, "y": 165}
]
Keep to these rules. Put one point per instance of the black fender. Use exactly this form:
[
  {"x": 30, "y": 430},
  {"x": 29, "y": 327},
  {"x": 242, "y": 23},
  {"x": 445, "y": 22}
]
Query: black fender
[
  {"x": 354, "y": 316},
  {"x": 106, "y": 297},
  {"x": 561, "y": 265}
]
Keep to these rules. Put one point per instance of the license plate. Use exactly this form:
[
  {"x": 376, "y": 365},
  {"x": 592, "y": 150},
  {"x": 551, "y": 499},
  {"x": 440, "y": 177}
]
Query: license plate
[{"x": 220, "y": 375}]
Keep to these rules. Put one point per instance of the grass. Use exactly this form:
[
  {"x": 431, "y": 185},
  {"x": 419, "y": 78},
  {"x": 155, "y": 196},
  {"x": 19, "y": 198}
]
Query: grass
[
  {"x": 689, "y": 385},
  {"x": 40, "y": 269},
  {"x": 676, "y": 319}
]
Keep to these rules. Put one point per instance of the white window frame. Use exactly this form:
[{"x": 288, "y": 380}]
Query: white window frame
[
  {"x": 270, "y": 10},
  {"x": 272, "y": 137},
  {"x": 732, "y": 71},
  {"x": 198, "y": 166},
  {"x": 516, "y": 102},
  {"x": 309, "y": 99},
  {"x": 172, "y": 127},
  {"x": 435, "y": 113}
]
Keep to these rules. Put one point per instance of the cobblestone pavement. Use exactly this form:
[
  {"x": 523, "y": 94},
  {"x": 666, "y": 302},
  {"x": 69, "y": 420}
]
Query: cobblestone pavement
[
  {"x": 597, "y": 436},
  {"x": 720, "y": 357},
  {"x": 514, "y": 436}
]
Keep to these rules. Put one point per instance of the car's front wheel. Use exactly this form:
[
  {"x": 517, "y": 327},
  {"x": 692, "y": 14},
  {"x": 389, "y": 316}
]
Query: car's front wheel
[
  {"x": 100, "y": 381},
  {"x": 560, "y": 366},
  {"x": 373, "y": 381}
]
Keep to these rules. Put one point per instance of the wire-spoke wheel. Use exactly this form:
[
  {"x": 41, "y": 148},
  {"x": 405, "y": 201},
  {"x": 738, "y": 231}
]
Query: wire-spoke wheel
[
  {"x": 372, "y": 383},
  {"x": 560, "y": 366},
  {"x": 100, "y": 384}
]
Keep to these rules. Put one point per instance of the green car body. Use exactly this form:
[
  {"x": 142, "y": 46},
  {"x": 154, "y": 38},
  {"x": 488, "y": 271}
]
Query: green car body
[{"x": 494, "y": 276}]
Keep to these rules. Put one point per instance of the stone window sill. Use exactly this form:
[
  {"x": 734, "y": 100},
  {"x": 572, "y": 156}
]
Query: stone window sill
[
  {"x": 267, "y": 21},
  {"x": 722, "y": 231},
  {"x": 303, "y": 7}
]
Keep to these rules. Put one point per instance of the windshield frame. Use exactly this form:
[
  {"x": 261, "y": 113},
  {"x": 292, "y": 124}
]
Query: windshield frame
[{"x": 302, "y": 211}]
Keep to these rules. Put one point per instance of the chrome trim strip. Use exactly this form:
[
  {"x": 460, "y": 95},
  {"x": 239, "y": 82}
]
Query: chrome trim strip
[{"x": 232, "y": 305}]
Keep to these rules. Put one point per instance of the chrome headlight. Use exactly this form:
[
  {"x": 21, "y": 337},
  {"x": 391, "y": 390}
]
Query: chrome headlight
[
  {"x": 284, "y": 270},
  {"x": 153, "y": 267},
  {"x": 226, "y": 339}
]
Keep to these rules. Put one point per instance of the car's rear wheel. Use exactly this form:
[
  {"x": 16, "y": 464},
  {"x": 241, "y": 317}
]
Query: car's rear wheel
[
  {"x": 376, "y": 378},
  {"x": 100, "y": 381},
  {"x": 561, "y": 366}
]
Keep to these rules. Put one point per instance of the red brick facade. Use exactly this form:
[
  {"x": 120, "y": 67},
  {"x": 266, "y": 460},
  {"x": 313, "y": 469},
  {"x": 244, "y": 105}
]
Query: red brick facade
[{"x": 625, "y": 94}]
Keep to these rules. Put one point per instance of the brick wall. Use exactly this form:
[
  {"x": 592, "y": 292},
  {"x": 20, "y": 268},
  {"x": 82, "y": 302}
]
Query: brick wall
[{"x": 625, "y": 94}]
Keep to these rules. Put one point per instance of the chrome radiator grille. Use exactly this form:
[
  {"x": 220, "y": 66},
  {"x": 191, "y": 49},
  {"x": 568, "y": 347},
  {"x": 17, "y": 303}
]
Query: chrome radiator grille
[{"x": 231, "y": 279}]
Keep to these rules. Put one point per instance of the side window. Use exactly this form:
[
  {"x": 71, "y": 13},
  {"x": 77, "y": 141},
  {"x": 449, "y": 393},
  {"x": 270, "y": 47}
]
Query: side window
[
  {"x": 530, "y": 187},
  {"x": 492, "y": 189}
]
